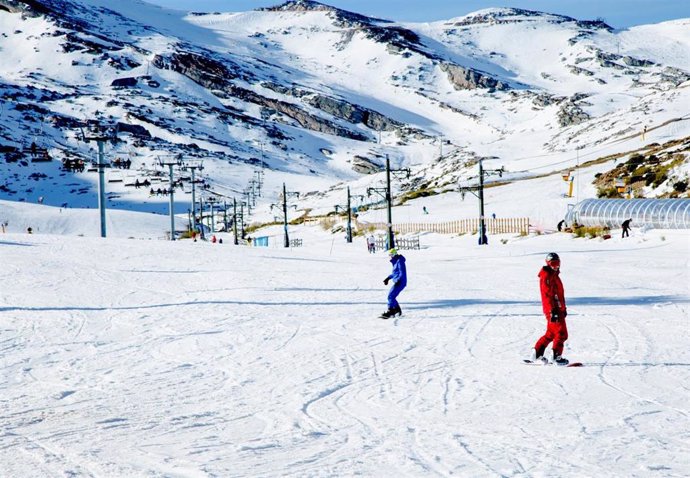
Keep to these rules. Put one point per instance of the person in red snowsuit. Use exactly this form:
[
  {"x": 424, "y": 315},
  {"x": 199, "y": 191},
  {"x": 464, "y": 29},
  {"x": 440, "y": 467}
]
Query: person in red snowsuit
[{"x": 553, "y": 304}]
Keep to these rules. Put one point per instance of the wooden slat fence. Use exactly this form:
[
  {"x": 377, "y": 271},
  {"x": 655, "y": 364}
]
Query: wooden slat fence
[
  {"x": 506, "y": 225},
  {"x": 401, "y": 242}
]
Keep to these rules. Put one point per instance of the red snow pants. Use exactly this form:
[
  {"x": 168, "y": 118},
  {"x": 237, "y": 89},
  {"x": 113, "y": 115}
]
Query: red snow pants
[{"x": 556, "y": 332}]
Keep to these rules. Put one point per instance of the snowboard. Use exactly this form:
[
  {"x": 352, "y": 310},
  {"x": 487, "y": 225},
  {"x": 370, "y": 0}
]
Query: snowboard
[
  {"x": 386, "y": 318},
  {"x": 539, "y": 362},
  {"x": 391, "y": 317}
]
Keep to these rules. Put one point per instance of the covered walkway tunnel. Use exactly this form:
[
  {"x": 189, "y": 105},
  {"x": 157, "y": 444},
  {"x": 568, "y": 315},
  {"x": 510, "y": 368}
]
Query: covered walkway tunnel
[{"x": 651, "y": 213}]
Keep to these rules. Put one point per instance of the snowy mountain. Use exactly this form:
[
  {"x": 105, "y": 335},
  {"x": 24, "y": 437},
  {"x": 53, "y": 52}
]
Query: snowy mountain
[{"x": 320, "y": 96}]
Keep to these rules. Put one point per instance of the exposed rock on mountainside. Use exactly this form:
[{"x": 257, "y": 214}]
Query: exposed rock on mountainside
[
  {"x": 571, "y": 114},
  {"x": 216, "y": 76},
  {"x": 505, "y": 16},
  {"x": 312, "y": 6},
  {"x": 468, "y": 79},
  {"x": 364, "y": 165},
  {"x": 339, "y": 108}
]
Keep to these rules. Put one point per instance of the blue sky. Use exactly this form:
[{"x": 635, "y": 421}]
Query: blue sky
[{"x": 617, "y": 13}]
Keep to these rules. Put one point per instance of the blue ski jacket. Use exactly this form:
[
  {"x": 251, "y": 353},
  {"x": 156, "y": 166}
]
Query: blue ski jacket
[{"x": 399, "y": 274}]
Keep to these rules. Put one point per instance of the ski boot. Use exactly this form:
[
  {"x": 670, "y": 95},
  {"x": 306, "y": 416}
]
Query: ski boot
[
  {"x": 396, "y": 311},
  {"x": 387, "y": 314},
  {"x": 558, "y": 360},
  {"x": 534, "y": 358}
]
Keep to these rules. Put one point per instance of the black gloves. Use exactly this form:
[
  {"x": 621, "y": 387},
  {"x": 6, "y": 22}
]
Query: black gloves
[
  {"x": 554, "y": 316},
  {"x": 565, "y": 313},
  {"x": 385, "y": 281}
]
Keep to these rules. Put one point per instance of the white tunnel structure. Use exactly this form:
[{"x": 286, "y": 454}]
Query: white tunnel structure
[{"x": 651, "y": 213}]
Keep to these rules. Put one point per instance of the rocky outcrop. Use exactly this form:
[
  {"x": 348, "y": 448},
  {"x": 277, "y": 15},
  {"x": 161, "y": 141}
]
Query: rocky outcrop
[
  {"x": 608, "y": 60},
  {"x": 675, "y": 76},
  {"x": 207, "y": 72},
  {"x": 397, "y": 39},
  {"x": 463, "y": 78},
  {"x": 312, "y": 6},
  {"x": 353, "y": 113},
  {"x": 128, "y": 82},
  {"x": 630, "y": 61},
  {"x": 9, "y": 6},
  {"x": 133, "y": 129},
  {"x": 576, "y": 70},
  {"x": 28, "y": 7},
  {"x": 571, "y": 114},
  {"x": 363, "y": 165},
  {"x": 215, "y": 76},
  {"x": 516, "y": 15},
  {"x": 543, "y": 100},
  {"x": 338, "y": 108}
]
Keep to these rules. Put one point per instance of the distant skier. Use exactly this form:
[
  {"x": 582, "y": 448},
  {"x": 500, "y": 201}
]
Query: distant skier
[
  {"x": 560, "y": 225},
  {"x": 553, "y": 304},
  {"x": 371, "y": 244},
  {"x": 626, "y": 228},
  {"x": 483, "y": 240},
  {"x": 399, "y": 278}
]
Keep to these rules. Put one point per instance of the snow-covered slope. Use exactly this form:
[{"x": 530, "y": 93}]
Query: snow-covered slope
[
  {"x": 128, "y": 358},
  {"x": 320, "y": 96}
]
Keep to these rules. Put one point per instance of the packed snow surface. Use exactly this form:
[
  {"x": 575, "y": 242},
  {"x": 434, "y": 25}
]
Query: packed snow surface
[{"x": 143, "y": 357}]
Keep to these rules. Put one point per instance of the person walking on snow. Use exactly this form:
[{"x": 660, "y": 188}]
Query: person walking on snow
[
  {"x": 626, "y": 228},
  {"x": 371, "y": 244},
  {"x": 553, "y": 304},
  {"x": 399, "y": 278}
]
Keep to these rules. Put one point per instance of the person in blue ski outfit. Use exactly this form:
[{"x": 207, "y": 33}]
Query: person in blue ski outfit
[{"x": 399, "y": 278}]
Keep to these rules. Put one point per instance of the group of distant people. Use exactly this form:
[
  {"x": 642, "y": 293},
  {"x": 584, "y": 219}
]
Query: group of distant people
[
  {"x": 145, "y": 183},
  {"x": 625, "y": 226},
  {"x": 73, "y": 165},
  {"x": 122, "y": 163},
  {"x": 159, "y": 192}
]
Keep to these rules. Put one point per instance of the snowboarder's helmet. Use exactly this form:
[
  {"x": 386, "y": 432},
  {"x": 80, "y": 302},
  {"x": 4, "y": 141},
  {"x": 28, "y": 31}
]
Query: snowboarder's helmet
[
  {"x": 553, "y": 260},
  {"x": 393, "y": 252}
]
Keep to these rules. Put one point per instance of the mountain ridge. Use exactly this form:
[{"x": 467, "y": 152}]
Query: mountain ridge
[{"x": 246, "y": 89}]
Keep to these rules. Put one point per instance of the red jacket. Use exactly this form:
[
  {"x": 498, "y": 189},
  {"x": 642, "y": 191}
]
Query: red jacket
[{"x": 552, "y": 296}]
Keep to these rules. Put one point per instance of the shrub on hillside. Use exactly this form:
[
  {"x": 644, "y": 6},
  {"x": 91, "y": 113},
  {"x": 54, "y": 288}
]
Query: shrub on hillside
[
  {"x": 327, "y": 223},
  {"x": 590, "y": 232}
]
